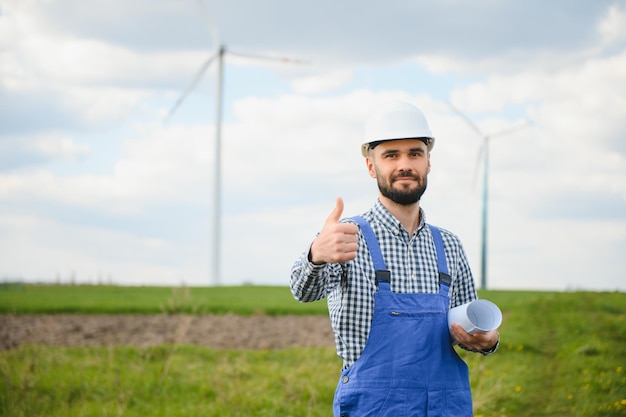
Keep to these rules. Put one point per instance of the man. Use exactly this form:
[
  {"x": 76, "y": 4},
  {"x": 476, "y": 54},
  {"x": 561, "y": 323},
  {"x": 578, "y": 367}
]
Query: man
[{"x": 390, "y": 279}]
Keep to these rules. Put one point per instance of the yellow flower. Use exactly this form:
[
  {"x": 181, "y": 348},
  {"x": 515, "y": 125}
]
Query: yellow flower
[
  {"x": 518, "y": 388},
  {"x": 570, "y": 396}
]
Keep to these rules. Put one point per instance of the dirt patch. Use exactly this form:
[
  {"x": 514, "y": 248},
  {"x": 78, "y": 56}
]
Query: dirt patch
[{"x": 217, "y": 331}]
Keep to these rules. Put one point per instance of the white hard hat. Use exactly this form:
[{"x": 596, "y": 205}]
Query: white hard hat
[{"x": 396, "y": 120}]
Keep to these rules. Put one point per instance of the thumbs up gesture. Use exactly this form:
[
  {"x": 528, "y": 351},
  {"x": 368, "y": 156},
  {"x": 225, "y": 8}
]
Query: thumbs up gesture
[{"x": 337, "y": 242}]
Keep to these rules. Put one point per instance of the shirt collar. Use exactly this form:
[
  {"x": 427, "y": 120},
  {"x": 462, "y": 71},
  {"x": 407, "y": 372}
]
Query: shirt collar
[{"x": 382, "y": 215}]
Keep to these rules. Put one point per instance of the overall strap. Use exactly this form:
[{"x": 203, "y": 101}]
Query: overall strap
[
  {"x": 382, "y": 273},
  {"x": 444, "y": 277}
]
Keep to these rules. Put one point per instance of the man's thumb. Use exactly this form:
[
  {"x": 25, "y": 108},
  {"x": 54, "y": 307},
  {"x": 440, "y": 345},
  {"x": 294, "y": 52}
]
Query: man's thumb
[{"x": 335, "y": 215}]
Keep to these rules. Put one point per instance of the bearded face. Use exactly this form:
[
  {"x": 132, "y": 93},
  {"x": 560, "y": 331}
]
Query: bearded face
[
  {"x": 400, "y": 168},
  {"x": 404, "y": 188}
]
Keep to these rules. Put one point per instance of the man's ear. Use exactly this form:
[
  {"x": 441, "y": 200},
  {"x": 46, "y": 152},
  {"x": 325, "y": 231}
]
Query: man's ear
[{"x": 369, "y": 162}]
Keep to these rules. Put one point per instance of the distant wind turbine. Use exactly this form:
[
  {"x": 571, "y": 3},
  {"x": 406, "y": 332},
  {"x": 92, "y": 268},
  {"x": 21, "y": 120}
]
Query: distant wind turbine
[
  {"x": 218, "y": 55},
  {"x": 484, "y": 152}
]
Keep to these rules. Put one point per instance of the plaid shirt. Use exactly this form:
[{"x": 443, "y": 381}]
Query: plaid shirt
[{"x": 350, "y": 287}]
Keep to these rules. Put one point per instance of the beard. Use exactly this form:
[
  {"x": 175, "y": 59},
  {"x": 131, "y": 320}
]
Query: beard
[{"x": 404, "y": 196}]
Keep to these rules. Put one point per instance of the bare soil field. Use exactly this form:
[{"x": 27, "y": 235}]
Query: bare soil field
[{"x": 216, "y": 331}]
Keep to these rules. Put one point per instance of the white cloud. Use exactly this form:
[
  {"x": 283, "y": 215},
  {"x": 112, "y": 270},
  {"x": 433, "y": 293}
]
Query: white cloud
[
  {"x": 574, "y": 147},
  {"x": 157, "y": 165},
  {"x": 63, "y": 147},
  {"x": 613, "y": 27},
  {"x": 322, "y": 83},
  {"x": 19, "y": 151},
  {"x": 45, "y": 250},
  {"x": 86, "y": 159}
]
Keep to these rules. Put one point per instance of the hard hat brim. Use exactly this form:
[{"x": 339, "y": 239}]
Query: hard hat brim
[{"x": 365, "y": 148}]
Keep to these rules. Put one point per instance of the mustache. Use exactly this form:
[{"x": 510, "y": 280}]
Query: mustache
[{"x": 406, "y": 175}]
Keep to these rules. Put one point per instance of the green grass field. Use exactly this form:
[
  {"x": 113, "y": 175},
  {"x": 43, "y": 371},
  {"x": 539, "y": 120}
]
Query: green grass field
[
  {"x": 562, "y": 354},
  {"x": 108, "y": 299}
]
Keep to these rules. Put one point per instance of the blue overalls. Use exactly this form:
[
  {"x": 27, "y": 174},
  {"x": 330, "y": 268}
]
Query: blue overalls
[{"x": 408, "y": 367}]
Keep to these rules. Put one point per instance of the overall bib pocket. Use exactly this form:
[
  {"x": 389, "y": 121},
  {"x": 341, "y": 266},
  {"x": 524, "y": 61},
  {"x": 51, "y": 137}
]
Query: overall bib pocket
[{"x": 372, "y": 402}]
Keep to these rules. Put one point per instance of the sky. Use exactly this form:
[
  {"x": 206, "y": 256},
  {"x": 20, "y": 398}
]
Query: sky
[{"x": 101, "y": 183}]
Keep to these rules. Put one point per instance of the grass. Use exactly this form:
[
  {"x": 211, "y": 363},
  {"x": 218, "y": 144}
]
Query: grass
[
  {"x": 109, "y": 299},
  {"x": 128, "y": 381},
  {"x": 561, "y": 354}
]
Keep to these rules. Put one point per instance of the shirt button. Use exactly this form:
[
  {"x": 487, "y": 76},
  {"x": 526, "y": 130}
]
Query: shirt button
[
  {"x": 413, "y": 277},
  {"x": 345, "y": 379},
  {"x": 396, "y": 232}
]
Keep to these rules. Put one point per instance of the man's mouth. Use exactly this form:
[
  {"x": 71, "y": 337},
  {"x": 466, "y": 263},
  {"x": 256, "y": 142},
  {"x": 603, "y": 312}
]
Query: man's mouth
[{"x": 405, "y": 178}]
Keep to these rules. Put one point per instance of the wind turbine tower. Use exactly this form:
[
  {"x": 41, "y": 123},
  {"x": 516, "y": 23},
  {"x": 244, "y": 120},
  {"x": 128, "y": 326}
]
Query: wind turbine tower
[
  {"x": 218, "y": 55},
  {"x": 484, "y": 152}
]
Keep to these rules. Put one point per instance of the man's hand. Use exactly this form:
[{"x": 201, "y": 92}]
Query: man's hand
[
  {"x": 477, "y": 341},
  {"x": 337, "y": 242}
]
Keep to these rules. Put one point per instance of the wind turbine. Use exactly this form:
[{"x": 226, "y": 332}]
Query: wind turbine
[
  {"x": 484, "y": 152},
  {"x": 218, "y": 56}
]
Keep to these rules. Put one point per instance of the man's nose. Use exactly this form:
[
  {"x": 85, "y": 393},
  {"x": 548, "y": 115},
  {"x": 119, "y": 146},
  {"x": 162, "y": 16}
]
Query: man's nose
[{"x": 404, "y": 163}]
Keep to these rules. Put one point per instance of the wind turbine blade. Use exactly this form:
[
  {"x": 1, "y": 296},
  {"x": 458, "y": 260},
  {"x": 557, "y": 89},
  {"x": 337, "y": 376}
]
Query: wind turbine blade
[
  {"x": 269, "y": 58},
  {"x": 191, "y": 85},
  {"x": 464, "y": 117},
  {"x": 215, "y": 36}
]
